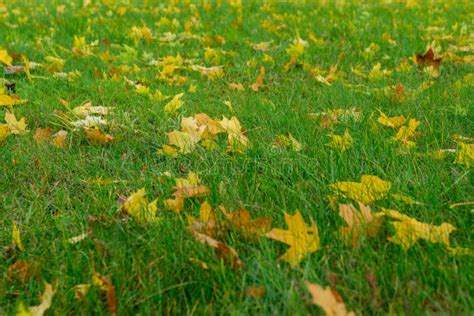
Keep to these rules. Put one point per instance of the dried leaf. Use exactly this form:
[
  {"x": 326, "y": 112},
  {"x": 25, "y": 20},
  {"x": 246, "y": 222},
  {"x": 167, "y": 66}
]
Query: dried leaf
[
  {"x": 301, "y": 238},
  {"x": 329, "y": 301},
  {"x": 223, "y": 251}
]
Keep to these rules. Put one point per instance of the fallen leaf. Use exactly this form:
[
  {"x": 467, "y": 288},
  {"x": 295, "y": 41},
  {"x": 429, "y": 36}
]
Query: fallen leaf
[
  {"x": 359, "y": 222},
  {"x": 393, "y": 122},
  {"x": 329, "y": 301},
  {"x": 465, "y": 154},
  {"x": 341, "y": 143},
  {"x": 42, "y": 134},
  {"x": 4, "y": 132},
  {"x": 205, "y": 223},
  {"x": 59, "y": 139},
  {"x": 106, "y": 286},
  {"x": 138, "y": 206},
  {"x": 223, "y": 251},
  {"x": 428, "y": 59},
  {"x": 45, "y": 301},
  {"x": 172, "y": 106},
  {"x": 16, "y": 238},
  {"x": 249, "y": 227},
  {"x": 408, "y": 231},
  {"x": 255, "y": 291},
  {"x": 259, "y": 82},
  {"x": 5, "y": 58},
  {"x": 16, "y": 127},
  {"x": 369, "y": 189},
  {"x": 22, "y": 270},
  {"x": 96, "y": 136},
  {"x": 301, "y": 238}
]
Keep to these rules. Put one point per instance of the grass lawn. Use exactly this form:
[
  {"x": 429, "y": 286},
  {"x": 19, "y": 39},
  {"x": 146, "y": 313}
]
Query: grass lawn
[{"x": 296, "y": 111}]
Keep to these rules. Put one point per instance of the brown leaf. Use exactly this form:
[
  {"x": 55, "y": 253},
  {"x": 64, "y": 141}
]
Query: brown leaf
[
  {"x": 194, "y": 191},
  {"x": 398, "y": 92},
  {"x": 249, "y": 227},
  {"x": 96, "y": 136},
  {"x": 259, "y": 81},
  {"x": 428, "y": 59},
  {"x": 105, "y": 284},
  {"x": 42, "y": 134},
  {"x": 222, "y": 250},
  {"x": 255, "y": 291},
  {"x": 328, "y": 300},
  {"x": 23, "y": 270}
]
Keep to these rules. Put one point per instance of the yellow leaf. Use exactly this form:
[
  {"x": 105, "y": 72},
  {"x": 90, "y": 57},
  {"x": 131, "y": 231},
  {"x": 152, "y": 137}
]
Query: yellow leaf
[
  {"x": 139, "y": 208},
  {"x": 393, "y": 122},
  {"x": 301, "y": 238},
  {"x": 465, "y": 154},
  {"x": 95, "y": 135},
  {"x": 205, "y": 223},
  {"x": 4, "y": 131},
  {"x": 7, "y": 100},
  {"x": 16, "y": 238},
  {"x": 408, "y": 230},
  {"x": 288, "y": 141},
  {"x": 59, "y": 139},
  {"x": 174, "y": 104},
  {"x": 175, "y": 204},
  {"x": 45, "y": 303},
  {"x": 184, "y": 141},
  {"x": 359, "y": 222},
  {"x": 406, "y": 133},
  {"x": 249, "y": 227},
  {"x": 16, "y": 127},
  {"x": 330, "y": 302},
  {"x": 371, "y": 188},
  {"x": 342, "y": 143},
  {"x": 5, "y": 58}
]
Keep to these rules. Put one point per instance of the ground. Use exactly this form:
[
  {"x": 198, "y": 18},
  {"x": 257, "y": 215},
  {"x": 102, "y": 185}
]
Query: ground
[{"x": 311, "y": 107}]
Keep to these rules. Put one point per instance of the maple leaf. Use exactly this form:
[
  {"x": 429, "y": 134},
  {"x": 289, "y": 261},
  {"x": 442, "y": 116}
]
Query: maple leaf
[
  {"x": 358, "y": 222},
  {"x": 406, "y": 134},
  {"x": 242, "y": 220},
  {"x": 398, "y": 92},
  {"x": 5, "y": 58},
  {"x": 16, "y": 127},
  {"x": 42, "y": 134},
  {"x": 369, "y": 189},
  {"x": 409, "y": 230},
  {"x": 190, "y": 187},
  {"x": 393, "y": 122},
  {"x": 138, "y": 206},
  {"x": 174, "y": 104},
  {"x": 206, "y": 223},
  {"x": 224, "y": 251},
  {"x": 8, "y": 100},
  {"x": 301, "y": 238},
  {"x": 288, "y": 141},
  {"x": 342, "y": 143},
  {"x": 428, "y": 59},
  {"x": 330, "y": 302},
  {"x": 96, "y": 136},
  {"x": 59, "y": 139}
]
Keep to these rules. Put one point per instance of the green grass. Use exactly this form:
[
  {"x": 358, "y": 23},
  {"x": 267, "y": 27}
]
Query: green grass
[{"x": 45, "y": 189}]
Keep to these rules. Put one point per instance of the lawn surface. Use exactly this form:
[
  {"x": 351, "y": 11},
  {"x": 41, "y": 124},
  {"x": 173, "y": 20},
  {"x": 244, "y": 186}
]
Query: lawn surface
[{"x": 292, "y": 74}]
